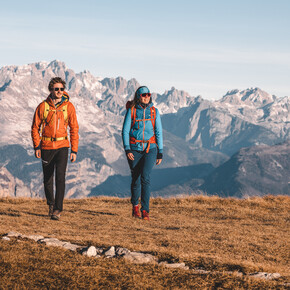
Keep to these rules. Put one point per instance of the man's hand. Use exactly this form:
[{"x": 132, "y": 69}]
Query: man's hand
[
  {"x": 73, "y": 157},
  {"x": 158, "y": 161},
  {"x": 37, "y": 153}
]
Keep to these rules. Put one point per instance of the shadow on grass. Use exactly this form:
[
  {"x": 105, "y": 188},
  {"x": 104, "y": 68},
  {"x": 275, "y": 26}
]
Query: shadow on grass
[
  {"x": 91, "y": 212},
  {"x": 10, "y": 214},
  {"x": 36, "y": 214}
]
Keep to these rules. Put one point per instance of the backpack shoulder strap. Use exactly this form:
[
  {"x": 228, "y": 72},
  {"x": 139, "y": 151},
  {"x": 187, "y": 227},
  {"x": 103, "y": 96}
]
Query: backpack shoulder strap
[
  {"x": 65, "y": 115},
  {"x": 133, "y": 116},
  {"x": 153, "y": 116},
  {"x": 46, "y": 111}
]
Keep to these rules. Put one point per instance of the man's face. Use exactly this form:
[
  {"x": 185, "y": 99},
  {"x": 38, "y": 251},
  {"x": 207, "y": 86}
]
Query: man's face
[{"x": 57, "y": 90}]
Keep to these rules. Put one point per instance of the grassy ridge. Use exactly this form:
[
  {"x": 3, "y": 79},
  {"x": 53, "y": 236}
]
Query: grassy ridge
[{"x": 213, "y": 233}]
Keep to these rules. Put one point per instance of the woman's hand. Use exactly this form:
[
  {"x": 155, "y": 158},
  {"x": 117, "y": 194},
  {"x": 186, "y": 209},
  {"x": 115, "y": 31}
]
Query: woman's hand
[
  {"x": 130, "y": 156},
  {"x": 158, "y": 161}
]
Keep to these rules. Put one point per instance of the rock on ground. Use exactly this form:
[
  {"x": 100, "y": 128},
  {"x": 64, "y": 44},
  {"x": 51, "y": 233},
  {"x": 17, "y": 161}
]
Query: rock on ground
[
  {"x": 140, "y": 258},
  {"x": 174, "y": 265},
  {"x": 110, "y": 253},
  {"x": 266, "y": 276}
]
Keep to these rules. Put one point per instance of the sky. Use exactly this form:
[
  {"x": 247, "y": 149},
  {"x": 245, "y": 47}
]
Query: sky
[{"x": 204, "y": 47}]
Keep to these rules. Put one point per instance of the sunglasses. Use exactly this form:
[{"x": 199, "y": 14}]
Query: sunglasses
[
  {"x": 57, "y": 89},
  {"x": 146, "y": 95}
]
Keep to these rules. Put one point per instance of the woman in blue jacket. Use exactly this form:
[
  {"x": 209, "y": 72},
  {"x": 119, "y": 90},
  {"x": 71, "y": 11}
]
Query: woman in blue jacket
[{"x": 143, "y": 144}]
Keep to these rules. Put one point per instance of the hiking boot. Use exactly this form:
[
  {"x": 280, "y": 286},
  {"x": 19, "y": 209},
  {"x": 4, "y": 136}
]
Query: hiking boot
[
  {"x": 50, "y": 210},
  {"x": 136, "y": 212},
  {"x": 56, "y": 215},
  {"x": 145, "y": 215}
]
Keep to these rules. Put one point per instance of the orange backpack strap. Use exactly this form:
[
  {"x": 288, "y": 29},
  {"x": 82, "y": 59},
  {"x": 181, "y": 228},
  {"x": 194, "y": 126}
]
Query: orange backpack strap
[
  {"x": 153, "y": 116},
  {"x": 133, "y": 116}
]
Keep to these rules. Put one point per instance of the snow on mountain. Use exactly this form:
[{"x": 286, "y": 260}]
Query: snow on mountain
[
  {"x": 196, "y": 131},
  {"x": 171, "y": 101},
  {"x": 239, "y": 119}
]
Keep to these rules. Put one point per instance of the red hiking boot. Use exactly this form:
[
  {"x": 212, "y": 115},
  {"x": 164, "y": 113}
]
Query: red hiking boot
[
  {"x": 145, "y": 215},
  {"x": 136, "y": 212}
]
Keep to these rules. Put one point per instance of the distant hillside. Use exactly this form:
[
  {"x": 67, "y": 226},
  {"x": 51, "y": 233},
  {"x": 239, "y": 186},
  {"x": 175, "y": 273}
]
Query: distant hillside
[{"x": 257, "y": 170}]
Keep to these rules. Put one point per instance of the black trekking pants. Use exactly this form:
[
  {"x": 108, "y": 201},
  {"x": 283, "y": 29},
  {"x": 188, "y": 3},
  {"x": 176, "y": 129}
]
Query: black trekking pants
[{"x": 54, "y": 159}]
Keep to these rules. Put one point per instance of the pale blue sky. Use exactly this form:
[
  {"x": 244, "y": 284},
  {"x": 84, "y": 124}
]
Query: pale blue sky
[{"x": 204, "y": 47}]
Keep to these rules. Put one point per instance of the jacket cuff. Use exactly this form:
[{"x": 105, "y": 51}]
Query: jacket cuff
[
  {"x": 37, "y": 148},
  {"x": 128, "y": 151},
  {"x": 159, "y": 155},
  {"x": 74, "y": 152}
]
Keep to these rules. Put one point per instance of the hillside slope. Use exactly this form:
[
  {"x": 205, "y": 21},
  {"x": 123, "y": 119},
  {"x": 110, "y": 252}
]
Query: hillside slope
[
  {"x": 210, "y": 233},
  {"x": 253, "y": 171}
]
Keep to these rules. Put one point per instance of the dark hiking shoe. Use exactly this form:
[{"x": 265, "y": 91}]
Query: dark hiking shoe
[
  {"x": 136, "y": 212},
  {"x": 56, "y": 215},
  {"x": 50, "y": 210},
  {"x": 145, "y": 215}
]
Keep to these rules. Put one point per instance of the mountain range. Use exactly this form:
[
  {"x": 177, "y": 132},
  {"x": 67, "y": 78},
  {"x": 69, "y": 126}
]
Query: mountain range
[{"x": 199, "y": 135}]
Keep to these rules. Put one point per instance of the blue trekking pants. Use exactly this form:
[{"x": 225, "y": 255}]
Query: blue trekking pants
[{"x": 141, "y": 168}]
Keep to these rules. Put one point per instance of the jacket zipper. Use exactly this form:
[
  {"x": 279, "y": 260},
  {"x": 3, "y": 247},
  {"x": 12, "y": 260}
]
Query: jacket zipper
[{"x": 143, "y": 127}]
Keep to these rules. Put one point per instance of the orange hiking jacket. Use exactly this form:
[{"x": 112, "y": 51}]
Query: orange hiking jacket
[{"x": 55, "y": 127}]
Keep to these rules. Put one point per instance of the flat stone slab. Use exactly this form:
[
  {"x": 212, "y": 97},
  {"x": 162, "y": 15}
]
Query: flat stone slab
[
  {"x": 264, "y": 275},
  {"x": 174, "y": 265},
  {"x": 14, "y": 234},
  {"x": 122, "y": 251},
  {"x": 140, "y": 258},
  {"x": 71, "y": 247},
  {"x": 36, "y": 238},
  {"x": 52, "y": 242}
]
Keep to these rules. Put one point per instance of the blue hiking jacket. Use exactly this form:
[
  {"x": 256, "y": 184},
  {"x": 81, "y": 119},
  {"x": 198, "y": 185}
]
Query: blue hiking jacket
[{"x": 142, "y": 130}]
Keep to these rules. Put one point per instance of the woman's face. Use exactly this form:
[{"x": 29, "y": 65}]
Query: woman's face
[{"x": 145, "y": 98}]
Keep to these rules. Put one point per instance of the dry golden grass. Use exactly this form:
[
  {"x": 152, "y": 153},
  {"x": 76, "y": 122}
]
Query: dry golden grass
[{"x": 213, "y": 233}]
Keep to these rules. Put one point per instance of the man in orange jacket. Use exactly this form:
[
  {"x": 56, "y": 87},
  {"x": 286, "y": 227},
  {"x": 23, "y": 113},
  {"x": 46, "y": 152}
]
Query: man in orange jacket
[{"x": 50, "y": 140}]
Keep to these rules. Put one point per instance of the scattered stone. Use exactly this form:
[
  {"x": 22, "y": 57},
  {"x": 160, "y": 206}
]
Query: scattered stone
[
  {"x": 238, "y": 274},
  {"x": 110, "y": 253},
  {"x": 52, "y": 242},
  {"x": 99, "y": 250},
  {"x": 140, "y": 258},
  {"x": 122, "y": 251},
  {"x": 14, "y": 234},
  {"x": 266, "y": 276},
  {"x": 201, "y": 271},
  {"x": 175, "y": 265},
  {"x": 71, "y": 247},
  {"x": 90, "y": 251},
  {"x": 36, "y": 238},
  {"x": 133, "y": 257}
]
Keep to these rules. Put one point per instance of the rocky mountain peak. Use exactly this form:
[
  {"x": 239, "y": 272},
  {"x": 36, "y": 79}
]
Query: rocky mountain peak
[{"x": 251, "y": 97}]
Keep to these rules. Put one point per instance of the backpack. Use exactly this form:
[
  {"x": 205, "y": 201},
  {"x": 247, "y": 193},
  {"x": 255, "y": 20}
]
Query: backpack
[
  {"x": 153, "y": 119},
  {"x": 46, "y": 111}
]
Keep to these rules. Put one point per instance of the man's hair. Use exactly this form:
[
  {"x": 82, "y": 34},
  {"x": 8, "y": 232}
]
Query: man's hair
[{"x": 54, "y": 81}]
